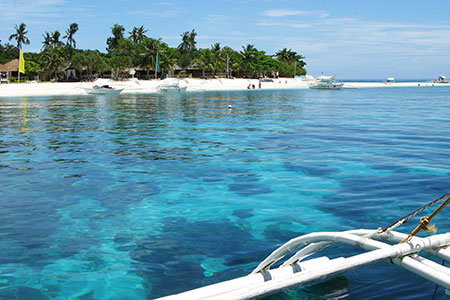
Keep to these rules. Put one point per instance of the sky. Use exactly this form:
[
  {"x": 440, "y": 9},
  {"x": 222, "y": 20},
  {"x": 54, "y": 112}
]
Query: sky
[{"x": 349, "y": 39}]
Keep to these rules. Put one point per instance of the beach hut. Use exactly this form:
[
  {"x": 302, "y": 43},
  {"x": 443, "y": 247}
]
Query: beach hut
[{"x": 7, "y": 69}]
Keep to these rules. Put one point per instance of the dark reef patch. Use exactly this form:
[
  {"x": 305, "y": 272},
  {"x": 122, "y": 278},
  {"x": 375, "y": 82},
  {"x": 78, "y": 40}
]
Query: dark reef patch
[
  {"x": 248, "y": 185},
  {"x": 243, "y": 213},
  {"x": 177, "y": 253},
  {"x": 359, "y": 199},
  {"x": 316, "y": 170},
  {"x": 22, "y": 292}
]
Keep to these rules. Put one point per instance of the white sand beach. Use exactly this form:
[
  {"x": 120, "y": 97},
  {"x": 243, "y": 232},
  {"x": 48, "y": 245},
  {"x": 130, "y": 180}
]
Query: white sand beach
[{"x": 134, "y": 86}]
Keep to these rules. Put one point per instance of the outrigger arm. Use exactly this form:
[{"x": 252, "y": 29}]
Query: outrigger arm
[{"x": 294, "y": 272}]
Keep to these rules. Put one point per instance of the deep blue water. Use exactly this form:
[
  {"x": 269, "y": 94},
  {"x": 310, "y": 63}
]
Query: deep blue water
[{"x": 138, "y": 197}]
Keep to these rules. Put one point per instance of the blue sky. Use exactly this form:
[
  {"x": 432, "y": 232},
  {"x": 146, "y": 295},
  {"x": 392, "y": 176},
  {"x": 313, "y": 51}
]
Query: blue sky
[{"x": 349, "y": 39}]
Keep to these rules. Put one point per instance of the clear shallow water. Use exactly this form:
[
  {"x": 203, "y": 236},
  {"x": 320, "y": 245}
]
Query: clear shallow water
[{"x": 138, "y": 197}]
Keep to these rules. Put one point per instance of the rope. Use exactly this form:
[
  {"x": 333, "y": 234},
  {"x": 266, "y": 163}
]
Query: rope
[
  {"x": 425, "y": 221},
  {"x": 405, "y": 219}
]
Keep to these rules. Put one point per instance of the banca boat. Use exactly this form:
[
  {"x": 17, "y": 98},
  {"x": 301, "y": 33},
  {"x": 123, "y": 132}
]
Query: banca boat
[
  {"x": 103, "y": 90},
  {"x": 172, "y": 85},
  {"x": 383, "y": 244},
  {"x": 326, "y": 83}
]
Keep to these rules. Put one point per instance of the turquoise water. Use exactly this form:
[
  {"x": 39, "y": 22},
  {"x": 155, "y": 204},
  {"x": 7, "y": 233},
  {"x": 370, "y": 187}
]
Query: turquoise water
[{"x": 137, "y": 197}]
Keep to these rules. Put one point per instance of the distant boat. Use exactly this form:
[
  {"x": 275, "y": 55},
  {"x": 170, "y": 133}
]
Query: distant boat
[
  {"x": 171, "y": 85},
  {"x": 326, "y": 83},
  {"x": 390, "y": 79},
  {"x": 103, "y": 90},
  {"x": 442, "y": 79}
]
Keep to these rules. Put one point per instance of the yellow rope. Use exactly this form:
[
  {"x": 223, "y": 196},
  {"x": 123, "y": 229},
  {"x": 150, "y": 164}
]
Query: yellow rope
[{"x": 425, "y": 221}]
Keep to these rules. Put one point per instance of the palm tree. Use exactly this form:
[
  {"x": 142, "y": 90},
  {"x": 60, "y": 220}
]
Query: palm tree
[
  {"x": 112, "y": 42},
  {"x": 47, "y": 43},
  {"x": 148, "y": 50},
  {"x": 249, "y": 57},
  {"x": 138, "y": 34},
  {"x": 187, "y": 41},
  {"x": 249, "y": 48},
  {"x": 219, "y": 58},
  {"x": 19, "y": 36},
  {"x": 73, "y": 28},
  {"x": 55, "y": 39},
  {"x": 52, "y": 60}
]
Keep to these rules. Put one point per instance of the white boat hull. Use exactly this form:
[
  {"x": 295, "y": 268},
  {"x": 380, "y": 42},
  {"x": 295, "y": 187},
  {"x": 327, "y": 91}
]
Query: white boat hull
[
  {"x": 327, "y": 86},
  {"x": 104, "y": 89},
  {"x": 172, "y": 89}
]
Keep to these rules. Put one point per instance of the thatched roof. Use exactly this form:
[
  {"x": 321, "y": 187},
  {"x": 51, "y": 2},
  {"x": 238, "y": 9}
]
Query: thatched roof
[
  {"x": 177, "y": 67},
  {"x": 13, "y": 65},
  {"x": 64, "y": 66}
]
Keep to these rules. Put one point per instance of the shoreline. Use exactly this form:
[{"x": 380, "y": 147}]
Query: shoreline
[{"x": 193, "y": 85}]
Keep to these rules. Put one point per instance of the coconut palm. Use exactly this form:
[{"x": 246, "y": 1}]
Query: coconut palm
[
  {"x": 19, "y": 36},
  {"x": 219, "y": 58},
  {"x": 73, "y": 28},
  {"x": 148, "y": 51},
  {"x": 288, "y": 56},
  {"x": 47, "y": 43},
  {"x": 55, "y": 39},
  {"x": 52, "y": 60},
  {"x": 117, "y": 32},
  {"x": 187, "y": 41},
  {"x": 138, "y": 34},
  {"x": 249, "y": 48}
]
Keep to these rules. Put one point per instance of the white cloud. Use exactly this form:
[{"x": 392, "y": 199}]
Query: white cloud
[{"x": 291, "y": 12}]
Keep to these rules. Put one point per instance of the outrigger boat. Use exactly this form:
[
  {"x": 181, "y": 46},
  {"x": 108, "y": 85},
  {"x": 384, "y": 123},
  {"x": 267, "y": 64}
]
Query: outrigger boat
[
  {"x": 103, "y": 90},
  {"x": 326, "y": 83},
  {"x": 441, "y": 79},
  {"x": 296, "y": 271},
  {"x": 171, "y": 85}
]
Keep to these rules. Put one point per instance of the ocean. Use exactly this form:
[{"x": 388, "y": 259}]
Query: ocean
[{"x": 142, "y": 196}]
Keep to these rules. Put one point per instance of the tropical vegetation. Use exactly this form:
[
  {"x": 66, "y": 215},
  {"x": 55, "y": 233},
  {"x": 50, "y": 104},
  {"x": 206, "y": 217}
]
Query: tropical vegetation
[{"x": 140, "y": 51}]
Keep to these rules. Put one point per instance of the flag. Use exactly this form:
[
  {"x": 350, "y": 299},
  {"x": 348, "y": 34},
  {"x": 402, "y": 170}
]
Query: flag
[
  {"x": 21, "y": 63},
  {"x": 157, "y": 62}
]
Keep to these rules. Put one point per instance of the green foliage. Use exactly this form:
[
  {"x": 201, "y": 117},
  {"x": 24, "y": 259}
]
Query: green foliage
[
  {"x": 140, "y": 51},
  {"x": 7, "y": 53},
  {"x": 89, "y": 61},
  {"x": 32, "y": 64},
  {"x": 112, "y": 42},
  {"x": 52, "y": 59},
  {"x": 291, "y": 63}
]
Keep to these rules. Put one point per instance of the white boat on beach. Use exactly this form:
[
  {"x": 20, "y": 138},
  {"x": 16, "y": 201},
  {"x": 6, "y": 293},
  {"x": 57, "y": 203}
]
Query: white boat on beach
[
  {"x": 103, "y": 90},
  {"x": 442, "y": 79},
  {"x": 172, "y": 85},
  {"x": 382, "y": 244},
  {"x": 326, "y": 83}
]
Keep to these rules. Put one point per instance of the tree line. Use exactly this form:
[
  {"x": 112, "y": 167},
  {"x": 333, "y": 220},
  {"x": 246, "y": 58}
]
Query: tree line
[{"x": 137, "y": 50}]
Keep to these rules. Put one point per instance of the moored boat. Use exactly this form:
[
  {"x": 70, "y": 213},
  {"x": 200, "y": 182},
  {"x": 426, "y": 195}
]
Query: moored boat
[
  {"x": 103, "y": 90},
  {"x": 442, "y": 79},
  {"x": 171, "y": 85},
  {"x": 326, "y": 83}
]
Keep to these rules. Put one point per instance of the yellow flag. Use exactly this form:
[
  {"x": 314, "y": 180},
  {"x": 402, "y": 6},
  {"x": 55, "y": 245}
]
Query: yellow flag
[{"x": 21, "y": 63}]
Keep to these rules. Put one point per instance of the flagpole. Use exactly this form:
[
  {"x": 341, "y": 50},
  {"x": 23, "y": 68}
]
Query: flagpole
[
  {"x": 18, "y": 69},
  {"x": 228, "y": 64},
  {"x": 156, "y": 65}
]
